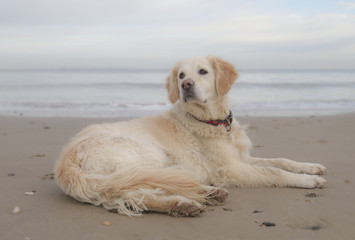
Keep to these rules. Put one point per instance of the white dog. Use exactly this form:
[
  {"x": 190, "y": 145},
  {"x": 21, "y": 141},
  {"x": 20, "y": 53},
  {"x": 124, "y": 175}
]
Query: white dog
[{"x": 176, "y": 162}]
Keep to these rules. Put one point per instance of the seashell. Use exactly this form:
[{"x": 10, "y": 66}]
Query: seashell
[{"x": 16, "y": 210}]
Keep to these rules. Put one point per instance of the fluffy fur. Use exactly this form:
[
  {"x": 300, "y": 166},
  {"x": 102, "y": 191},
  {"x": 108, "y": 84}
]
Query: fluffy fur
[{"x": 174, "y": 162}]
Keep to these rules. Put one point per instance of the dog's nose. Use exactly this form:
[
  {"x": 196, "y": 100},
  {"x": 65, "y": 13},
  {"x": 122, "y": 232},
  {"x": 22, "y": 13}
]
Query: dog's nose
[{"x": 187, "y": 84}]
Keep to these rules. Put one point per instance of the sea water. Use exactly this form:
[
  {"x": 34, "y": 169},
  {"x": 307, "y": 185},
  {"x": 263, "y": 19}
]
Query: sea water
[{"x": 135, "y": 93}]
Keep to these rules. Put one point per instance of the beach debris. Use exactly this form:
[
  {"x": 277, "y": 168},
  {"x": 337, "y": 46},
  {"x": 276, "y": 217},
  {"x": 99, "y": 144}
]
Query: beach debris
[
  {"x": 46, "y": 127},
  {"x": 313, "y": 228},
  {"x": 308, "y": 200},
  {"x": 16, "y": 210},
  {"x": 30, "y": 193},
  {"x": 48, "y": 176},
  {"x": 257, "y": 211},
  {"x": 106, "y": 223},
  {"x": 11, "y": 174},
  {"x": 347, "y": 181},
  {"x": 228, "y": 209},
  {"x": 37, "y": 156},
  {"x": 311, "y": 195},
  {"x": 268, "y": 224}
]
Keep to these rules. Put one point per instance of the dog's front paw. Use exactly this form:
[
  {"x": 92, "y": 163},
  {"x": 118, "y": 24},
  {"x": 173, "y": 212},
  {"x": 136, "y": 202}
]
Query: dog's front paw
[{"x": 314, "y": 169}]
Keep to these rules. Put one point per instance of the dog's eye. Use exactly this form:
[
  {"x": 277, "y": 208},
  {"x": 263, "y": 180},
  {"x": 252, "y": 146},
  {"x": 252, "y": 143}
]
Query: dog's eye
[
  {"x": 182, "y": 75},
  {"x": 203, "y": 72}
]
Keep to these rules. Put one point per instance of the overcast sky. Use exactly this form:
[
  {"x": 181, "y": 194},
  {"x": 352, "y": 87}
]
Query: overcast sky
[{"x": 293, "y": 34}]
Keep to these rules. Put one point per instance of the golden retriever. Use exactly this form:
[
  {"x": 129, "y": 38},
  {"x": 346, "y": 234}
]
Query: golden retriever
[{"x": 177, "y": 162}]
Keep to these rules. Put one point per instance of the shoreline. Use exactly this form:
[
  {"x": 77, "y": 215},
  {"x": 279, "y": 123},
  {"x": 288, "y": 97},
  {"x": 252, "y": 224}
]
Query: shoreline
[
  {"x": 31, "y": 145},
  {"x": 128, "y": 114}
]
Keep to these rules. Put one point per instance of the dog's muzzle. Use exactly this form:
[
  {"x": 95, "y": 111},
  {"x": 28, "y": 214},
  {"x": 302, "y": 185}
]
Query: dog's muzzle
[{"x": 188, "y": 92}]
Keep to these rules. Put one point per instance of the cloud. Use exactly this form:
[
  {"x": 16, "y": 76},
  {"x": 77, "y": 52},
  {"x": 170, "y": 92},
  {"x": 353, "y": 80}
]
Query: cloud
[
  {"x": 89, "y": 12},
  {"x": 349, "y": 5},
  {"x": 156, "y": 33}
]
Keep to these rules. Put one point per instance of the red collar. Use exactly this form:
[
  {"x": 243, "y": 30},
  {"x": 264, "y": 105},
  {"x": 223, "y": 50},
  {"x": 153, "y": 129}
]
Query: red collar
[{"x": 227, "y": 122}]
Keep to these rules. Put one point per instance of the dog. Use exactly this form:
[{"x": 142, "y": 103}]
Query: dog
[{"x": 179, "y": 161}]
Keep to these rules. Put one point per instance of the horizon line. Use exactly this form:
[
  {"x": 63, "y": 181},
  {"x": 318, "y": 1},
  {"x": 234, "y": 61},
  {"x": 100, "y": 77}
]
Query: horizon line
[{"x": 118, "y": 69}]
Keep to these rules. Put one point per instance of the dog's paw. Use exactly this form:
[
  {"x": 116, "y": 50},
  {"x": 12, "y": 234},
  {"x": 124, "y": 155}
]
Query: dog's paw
[
  {"x": 313, "y": 169},
  {"x": 216, "y": 196},
  {"x": 187, "y": 209},
  {"x": 310, "y": 181}
]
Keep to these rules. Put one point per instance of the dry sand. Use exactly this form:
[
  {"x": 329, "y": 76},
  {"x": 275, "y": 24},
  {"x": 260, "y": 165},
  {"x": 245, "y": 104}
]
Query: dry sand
[{"x": 30, "y": 146}]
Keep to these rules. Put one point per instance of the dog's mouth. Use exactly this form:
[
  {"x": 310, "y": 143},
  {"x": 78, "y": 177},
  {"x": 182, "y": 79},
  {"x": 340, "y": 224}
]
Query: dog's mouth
[{"x": 189, "y": 96}]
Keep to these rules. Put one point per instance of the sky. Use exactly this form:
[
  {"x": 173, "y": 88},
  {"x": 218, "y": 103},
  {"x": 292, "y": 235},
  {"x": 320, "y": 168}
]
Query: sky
[{"x": 155, "y": 34}]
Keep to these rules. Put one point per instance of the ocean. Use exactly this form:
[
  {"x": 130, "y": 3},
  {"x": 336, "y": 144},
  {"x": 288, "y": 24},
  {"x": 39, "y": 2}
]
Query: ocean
[{"x": 129, "y": 93}]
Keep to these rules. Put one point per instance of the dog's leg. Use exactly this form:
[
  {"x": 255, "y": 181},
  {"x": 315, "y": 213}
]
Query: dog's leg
[
  {"x": 134, "y": 203},
  {"x": 289, "y": 165},
  {"x": 144, "y": 200},
  {"x": 158, "y": 200},
  {"x": 246, "y": 175},
  {"x": 177, "y": 206}
]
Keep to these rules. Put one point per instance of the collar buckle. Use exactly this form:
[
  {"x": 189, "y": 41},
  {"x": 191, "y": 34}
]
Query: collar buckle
[{"x": 229, "y": 124}]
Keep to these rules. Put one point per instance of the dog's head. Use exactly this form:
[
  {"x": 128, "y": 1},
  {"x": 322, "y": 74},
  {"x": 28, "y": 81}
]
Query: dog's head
[{"x": 200, "y": 79}]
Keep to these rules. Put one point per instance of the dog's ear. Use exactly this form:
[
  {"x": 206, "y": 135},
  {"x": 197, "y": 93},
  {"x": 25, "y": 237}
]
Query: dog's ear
[
  {"x": 172, "y": 85},
  {"x": 226, "y": 75}
]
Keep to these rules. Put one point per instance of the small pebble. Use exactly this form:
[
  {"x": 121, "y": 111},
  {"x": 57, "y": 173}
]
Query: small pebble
[
  {"x": 106, "y": 223},
  {"x": 313, "y": 228},
  {"x": 257, "y": 211},
  {"x": 37, "y": 156},
  {"x": 11, "y": 174},
  {"x": 228, "y": 209},
  {"x": 347, "y": 181},
  {"x": 269, "y": 224},
  {"x": 29, "y": 193}
]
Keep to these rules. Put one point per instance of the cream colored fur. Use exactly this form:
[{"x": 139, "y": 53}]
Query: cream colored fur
[{"x": 174, "y": 163}]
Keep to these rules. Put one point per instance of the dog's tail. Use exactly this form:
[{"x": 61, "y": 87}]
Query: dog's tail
[{"x": 125, "y": 189}]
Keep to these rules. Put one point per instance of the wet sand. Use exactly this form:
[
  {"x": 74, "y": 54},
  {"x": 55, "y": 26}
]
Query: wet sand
[{"x": 29, "y": 148}]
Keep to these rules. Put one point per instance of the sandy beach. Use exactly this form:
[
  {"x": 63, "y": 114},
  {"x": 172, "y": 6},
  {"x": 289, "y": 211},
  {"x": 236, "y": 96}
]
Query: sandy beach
[{"x": 30, "y": 146}]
